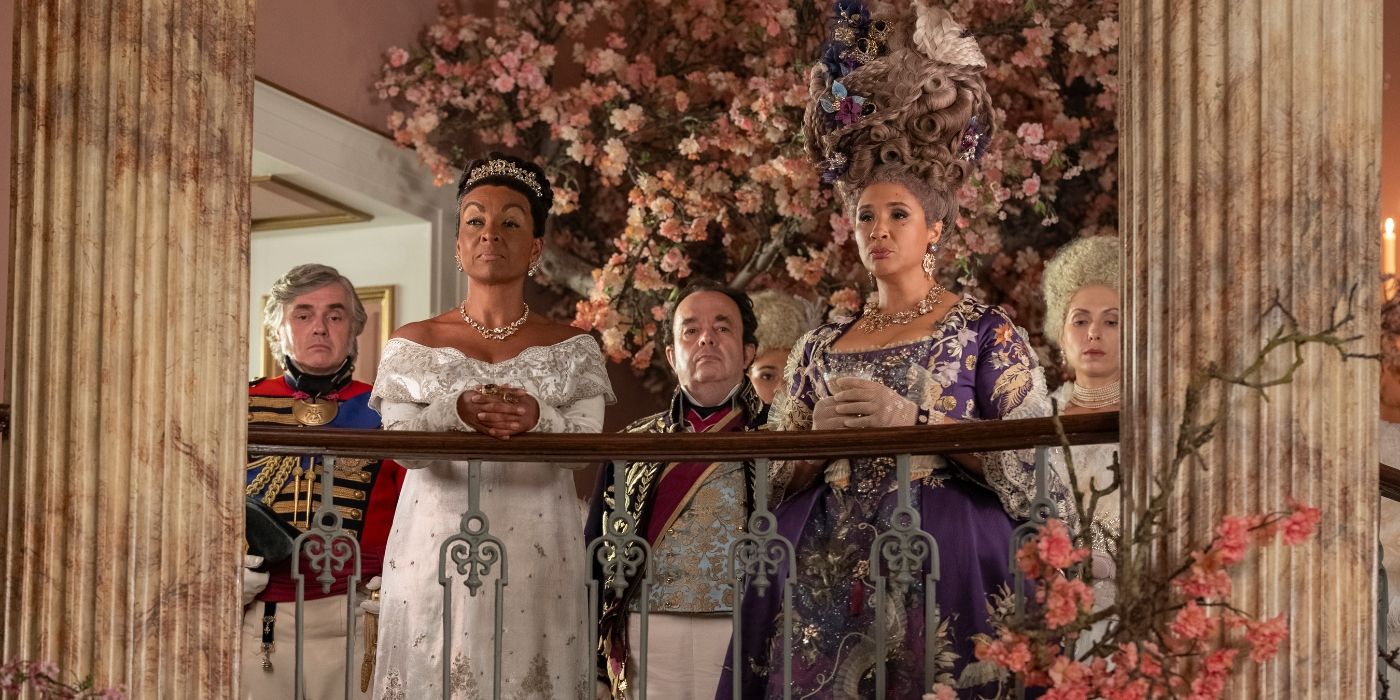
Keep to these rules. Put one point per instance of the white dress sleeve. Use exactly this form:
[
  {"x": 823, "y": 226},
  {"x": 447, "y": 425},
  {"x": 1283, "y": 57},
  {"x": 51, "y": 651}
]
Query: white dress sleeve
[{"x": 417, "y": 387}]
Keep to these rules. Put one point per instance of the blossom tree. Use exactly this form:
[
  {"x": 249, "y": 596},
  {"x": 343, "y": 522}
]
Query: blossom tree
[
  {"x": 671, "y": 131},
  {"x": 1172, "y": 629}
]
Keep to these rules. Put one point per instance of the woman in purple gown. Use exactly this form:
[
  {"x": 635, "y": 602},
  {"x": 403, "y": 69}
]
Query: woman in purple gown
[{"x": 897, "y": 128}]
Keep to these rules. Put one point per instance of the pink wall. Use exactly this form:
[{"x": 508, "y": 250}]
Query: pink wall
[{"x": 329, "y": 52}]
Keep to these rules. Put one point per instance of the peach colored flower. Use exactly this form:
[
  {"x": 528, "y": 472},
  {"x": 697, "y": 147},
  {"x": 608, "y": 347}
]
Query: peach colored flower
[
  {"x": 1031, "y": 132},
  {"x": 1011, "y": 652},
  {"x": 1300, "y": 523},
  {"x": 1265, "y": 636},
  {"x": 1065, "y": 600},
  {"x": 1191, "y": 622},
  {"x": 1053, "y": 546}
]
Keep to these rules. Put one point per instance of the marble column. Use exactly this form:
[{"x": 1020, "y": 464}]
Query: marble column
[
  {"x": 121, "y": 519},
  {"x": 1249, "y": 170}
]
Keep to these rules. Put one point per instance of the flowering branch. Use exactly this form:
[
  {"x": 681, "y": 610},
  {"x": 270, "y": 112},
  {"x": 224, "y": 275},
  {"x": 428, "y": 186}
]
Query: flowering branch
[
  {"x": 1167, "y": 634},
  {"x": 43, "y": 678}
]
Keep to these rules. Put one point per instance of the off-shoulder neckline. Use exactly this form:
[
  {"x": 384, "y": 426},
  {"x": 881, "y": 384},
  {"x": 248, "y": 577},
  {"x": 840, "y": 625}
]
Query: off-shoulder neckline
[
  {"x": 488, "y": 363},
  {"x": 938, "y": 330}
]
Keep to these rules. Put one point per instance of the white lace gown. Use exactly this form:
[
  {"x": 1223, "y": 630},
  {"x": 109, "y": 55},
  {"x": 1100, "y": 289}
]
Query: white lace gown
[
  {"x": 532, "y": 507},
  {"x": 1092, "y": 464}
]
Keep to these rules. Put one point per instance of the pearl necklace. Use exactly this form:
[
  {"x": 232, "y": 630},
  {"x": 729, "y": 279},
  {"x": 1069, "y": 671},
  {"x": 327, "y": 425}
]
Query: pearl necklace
[
  {"x": 873, "y": 320},
  {"x": 1097, "y": 398},
  {"x": 495, "y": 333}
]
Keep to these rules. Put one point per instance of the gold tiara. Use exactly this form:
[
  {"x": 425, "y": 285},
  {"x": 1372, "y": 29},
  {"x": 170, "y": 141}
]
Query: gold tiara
[{"x": 505, "y": 168}]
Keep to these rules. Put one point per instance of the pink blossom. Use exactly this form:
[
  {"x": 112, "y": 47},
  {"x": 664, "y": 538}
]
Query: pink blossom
[
  {"x": 1300, "y": 523},
  {"x": 1011, "y": 652},
  {"x": 1206, "y": 578},
  {"x": 1265, "y": 636},
  {"x": 675, "y": 261},
  {"x": 1191, "y": 622},
  {"x": 1030, "y": 186},
  {"x": 1232, "y": 538},
  {"x": 840, "y": 228},
  {"x": 845, "y": 299},
  {"x": 397, "y": 57},
  {"x": 1065, "y": 600},
  {"x": 628, "y": 120},
  {"x": 941, "y": 692},
  {"x": 503, "y": 83},
  {"x": 1054, "y": 547},
  {"x": 688, "y": 147},
  {"x": 1031, "y": 132}
]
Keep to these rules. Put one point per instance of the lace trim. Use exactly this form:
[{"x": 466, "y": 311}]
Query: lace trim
[{"x": 561, "y": 374}]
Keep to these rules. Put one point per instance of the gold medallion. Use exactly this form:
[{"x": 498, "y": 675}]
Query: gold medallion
[{"x": 312, "y": 412}]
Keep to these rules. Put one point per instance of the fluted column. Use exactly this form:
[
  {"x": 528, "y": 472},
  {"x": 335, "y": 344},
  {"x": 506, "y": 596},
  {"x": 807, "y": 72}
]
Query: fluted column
[
  {"x": 1249, "y": 161},
  {"x": 121, "y": 521}
]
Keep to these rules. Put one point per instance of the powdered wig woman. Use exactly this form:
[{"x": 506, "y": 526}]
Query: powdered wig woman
[{"x": 898, "y": 117}]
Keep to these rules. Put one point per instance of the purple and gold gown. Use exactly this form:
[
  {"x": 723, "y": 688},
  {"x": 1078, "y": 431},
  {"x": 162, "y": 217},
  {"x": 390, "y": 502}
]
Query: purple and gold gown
[{"x": 974, "y": 365}]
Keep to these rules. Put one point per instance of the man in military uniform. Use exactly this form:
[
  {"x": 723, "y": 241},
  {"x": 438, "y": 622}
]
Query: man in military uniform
[
  {"x": 312, "y": 320},
  {"x": 689, "y": 512}
]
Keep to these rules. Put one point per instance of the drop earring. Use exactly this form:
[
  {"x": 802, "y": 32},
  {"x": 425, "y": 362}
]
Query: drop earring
[
  {"x": 534, "y": 267},
  {"x": 458, "y": 258},
  {"x": 930, "y": 260}
]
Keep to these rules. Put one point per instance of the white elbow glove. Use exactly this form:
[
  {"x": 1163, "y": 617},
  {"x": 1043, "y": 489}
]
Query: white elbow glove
[{"x": 253, "y": 581}]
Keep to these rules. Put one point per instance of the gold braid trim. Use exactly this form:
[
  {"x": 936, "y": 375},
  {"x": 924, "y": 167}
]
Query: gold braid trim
[{"x": 275, "y": 470}]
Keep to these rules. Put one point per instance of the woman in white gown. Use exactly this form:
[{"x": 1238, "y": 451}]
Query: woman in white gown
[
  {"x": 489, "y": 366},
  {"x": 1082, "y": 317}
]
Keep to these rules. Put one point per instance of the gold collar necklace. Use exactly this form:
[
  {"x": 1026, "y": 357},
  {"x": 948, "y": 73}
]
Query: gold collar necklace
[{"x": 873, "y": 320}]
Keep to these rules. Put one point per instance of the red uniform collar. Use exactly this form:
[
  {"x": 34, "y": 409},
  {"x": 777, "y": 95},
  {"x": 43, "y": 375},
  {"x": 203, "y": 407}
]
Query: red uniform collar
[{"x": 277, "y": 386}]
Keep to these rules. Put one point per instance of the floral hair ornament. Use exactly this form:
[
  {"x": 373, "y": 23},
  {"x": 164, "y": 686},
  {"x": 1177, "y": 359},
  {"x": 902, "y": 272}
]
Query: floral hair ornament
[
  {"x": 835, "y": 166},
  {"x": 504, "y": 168},
  {"x": 847, "y": 108},
  {"x": 974, "y": 141}
]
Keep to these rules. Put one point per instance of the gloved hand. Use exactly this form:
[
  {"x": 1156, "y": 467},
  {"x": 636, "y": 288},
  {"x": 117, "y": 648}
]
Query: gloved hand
[
  {"x": 370, "y": 605},
  {"x": 253, "y": 581},
  {"x": 824, "y": 415},
  {"x": 862, "y": 403}
]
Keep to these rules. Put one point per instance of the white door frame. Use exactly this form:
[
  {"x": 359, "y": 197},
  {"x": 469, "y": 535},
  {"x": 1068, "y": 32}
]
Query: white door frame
[{"x": 351, "y": 156}]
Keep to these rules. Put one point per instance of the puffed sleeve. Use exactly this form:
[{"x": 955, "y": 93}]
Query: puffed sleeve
[
  {"x": 415, "y": 389},
  {"x": 576, "y": 405},
  {"x": 1010, "y": 384}
]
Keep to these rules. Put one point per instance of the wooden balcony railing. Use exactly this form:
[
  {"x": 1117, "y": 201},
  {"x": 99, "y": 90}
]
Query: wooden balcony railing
[{"x": 982, "y": 436}]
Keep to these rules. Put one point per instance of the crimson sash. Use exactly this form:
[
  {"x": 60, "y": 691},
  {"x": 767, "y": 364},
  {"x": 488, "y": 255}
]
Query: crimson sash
[{"x": 680, "y": 480}]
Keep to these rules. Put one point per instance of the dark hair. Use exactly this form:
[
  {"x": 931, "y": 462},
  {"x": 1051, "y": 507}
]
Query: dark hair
[
  {"x": 539, "y": 202},
  {"x": 747, "y": 319}
]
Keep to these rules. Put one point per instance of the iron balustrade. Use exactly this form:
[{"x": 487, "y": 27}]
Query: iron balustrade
[{"x": 474, "y": 554}]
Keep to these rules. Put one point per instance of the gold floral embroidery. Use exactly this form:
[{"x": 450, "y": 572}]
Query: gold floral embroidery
[
  {"x": 1012, "y": 387},
  {"x": 692, "y": 559}
]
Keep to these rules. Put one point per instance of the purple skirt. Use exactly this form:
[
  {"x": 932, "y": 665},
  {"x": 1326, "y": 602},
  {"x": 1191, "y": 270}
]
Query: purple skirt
[{"x": 833, "y": 599}]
